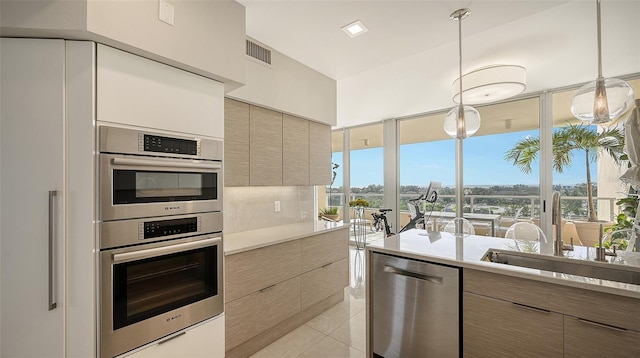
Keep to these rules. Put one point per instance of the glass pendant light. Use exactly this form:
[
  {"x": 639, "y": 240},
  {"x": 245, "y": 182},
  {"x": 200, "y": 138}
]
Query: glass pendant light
[
  {"x": 461, "y": 121},
  {"x": 604, "y": 99}
]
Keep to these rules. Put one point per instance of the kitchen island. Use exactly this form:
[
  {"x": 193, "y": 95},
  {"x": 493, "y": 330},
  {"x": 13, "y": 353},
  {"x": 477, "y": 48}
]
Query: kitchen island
[{"x": 506, "y": 310}]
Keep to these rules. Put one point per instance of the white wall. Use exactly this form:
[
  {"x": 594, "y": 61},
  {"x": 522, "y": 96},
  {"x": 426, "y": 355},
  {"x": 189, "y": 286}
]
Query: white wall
[{"x": 289, "y": 86}]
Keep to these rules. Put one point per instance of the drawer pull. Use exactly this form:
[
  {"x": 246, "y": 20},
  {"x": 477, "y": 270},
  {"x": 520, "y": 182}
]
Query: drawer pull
[
  {"x": 398, "y": 271},
  {"x": 531, "y": 308},
  {"x": 329, "y": 264},
  {"x": 172, "y": 337},
  {"x": 268, "y": 288},
  {"x": 602, "y": 325}
]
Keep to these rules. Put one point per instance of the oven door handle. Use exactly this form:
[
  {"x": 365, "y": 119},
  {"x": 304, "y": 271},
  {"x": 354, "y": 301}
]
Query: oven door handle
[
  {"x": 165, "y": 250},
  {"x": 165, "y": 163}
]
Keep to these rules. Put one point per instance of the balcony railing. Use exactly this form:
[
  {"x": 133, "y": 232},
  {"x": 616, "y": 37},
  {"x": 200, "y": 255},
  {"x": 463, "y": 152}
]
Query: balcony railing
[{"x": 505, "y": 205}]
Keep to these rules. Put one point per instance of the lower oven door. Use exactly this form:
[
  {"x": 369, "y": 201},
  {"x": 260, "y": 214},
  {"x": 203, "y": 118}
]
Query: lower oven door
[{"x": 150, "y": 291}]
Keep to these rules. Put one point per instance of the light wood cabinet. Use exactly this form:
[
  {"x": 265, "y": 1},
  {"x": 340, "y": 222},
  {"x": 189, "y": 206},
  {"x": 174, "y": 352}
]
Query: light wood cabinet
[
  {"x": 497, "y": 328},
  {"x": 268, "y": 148},
  {"x": 586, "y": 339},
  {"x": 255, "y": 313},
  {"x": 270, "y": 292},
  {"x": 320, "y": 154},
  {"x": 323, "y": 282},
  {"x": 265, "y": 147},
  {"x": 319, "y": 250},
  {"x": 253, "y": 270},
  {"x": 295, "y": 150},
  {"x": 500, "y": 311},
  {"x": 236, "y": 143},
  {"x": 32, "y": 225}
]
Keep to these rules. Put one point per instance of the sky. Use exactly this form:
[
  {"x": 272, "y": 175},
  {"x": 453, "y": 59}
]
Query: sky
[{"x": 484, "y": 164}]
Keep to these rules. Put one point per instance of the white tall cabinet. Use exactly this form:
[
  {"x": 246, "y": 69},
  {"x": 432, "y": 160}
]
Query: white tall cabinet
[{"x": 32, "y": 226}]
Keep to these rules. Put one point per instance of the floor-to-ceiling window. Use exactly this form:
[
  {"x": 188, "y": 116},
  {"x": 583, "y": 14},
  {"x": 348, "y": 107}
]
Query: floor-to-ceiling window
[
  {"x": 586, "y": 172},
  {"x": 366, "y": 170},
  {"x": 426, "y": 154}
]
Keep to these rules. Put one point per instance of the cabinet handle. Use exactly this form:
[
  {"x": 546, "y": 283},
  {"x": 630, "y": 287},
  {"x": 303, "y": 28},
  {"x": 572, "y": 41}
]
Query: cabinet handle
[
  {"x": 52, "y": 300},
  {"x": 172, "y": 337},
  {"x": 268, "y": 288},
  {"x": 327, "y": 265},
  {"x": 531, "y": 308},
  {"x": 602, "y": 325},
  {"x": 433, "y": 279}
]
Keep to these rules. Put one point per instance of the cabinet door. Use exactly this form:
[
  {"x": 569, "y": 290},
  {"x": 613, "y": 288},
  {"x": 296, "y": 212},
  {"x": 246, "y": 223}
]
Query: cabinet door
[
  {"x": 584, "y": 339},
  {"x": 32, "y": 262},
  {"x": 320, "y": 154},
  {"x": 496, "y": 328},
  {"x": 236, "y": 143},
  {"x": 253, "y": 270},
  {"x": 295, "y": 151},
  {"x": 265, "y": 153},
  {"x": 251, "y": 315},
  {"x": 322, "y": 249},
  {"x": 323, "y": 282}
]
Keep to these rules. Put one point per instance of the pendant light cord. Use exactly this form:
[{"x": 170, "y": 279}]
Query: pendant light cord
[
  {"x": 460, "y": 55},
  {"x": 599, "y": 40}
]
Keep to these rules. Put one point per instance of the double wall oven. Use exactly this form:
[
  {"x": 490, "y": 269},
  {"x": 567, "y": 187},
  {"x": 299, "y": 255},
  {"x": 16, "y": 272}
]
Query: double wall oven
[{"x": 160, "y": 235}]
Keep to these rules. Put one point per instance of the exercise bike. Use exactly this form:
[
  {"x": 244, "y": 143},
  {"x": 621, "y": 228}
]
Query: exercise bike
[{"x": 417, "y": 217}]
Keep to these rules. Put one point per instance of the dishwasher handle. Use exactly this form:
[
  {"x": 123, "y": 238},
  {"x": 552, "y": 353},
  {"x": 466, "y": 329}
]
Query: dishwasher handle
[{"x": 420, "y": 276}]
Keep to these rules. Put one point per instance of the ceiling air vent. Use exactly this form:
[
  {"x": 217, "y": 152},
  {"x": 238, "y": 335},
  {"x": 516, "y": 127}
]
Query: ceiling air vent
[{"x": 258, "y": 52}]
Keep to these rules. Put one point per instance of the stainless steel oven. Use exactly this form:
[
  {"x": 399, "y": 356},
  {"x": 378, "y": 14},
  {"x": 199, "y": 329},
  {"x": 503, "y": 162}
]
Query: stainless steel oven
[
  {"x": 174, "y": 279},
  {"x": 144, "y": 174}
]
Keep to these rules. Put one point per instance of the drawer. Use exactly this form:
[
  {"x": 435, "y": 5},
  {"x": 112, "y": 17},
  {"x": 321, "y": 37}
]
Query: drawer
[
  {"x": 325, "y": 248},
  {"x": 577, "y": 302},
  {"x": 496, "y": 328},
  {"x": 584, "y": 339},
  {"x": 253, "y": 270},
  {"x": 253, "y": 314},
  {"x": 323, "y": 282}
]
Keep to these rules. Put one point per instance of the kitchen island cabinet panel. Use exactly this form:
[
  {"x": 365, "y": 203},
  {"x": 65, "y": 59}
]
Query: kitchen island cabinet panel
[
  {"x": 588, "y": 339},
  {"x": 567, "y": 300},
  {"x": 496, "y": 328},
  {"x": 265, "y": 148},
  {"x": 236, "y": 143}
]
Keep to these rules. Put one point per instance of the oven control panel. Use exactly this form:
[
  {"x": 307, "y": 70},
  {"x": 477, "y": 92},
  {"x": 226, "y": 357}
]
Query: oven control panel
[
  {"x": 162, "y": 228},
  {"x": 160, "y": 144}
]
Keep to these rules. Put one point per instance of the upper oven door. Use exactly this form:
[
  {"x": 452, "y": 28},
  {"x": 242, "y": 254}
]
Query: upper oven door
[{"x": 137, "y": 187}]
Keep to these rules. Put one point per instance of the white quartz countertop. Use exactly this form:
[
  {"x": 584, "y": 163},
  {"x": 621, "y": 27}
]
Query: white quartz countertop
[
  {"x": 253, "y": 239},
  {"x": 445, "y": 248}
]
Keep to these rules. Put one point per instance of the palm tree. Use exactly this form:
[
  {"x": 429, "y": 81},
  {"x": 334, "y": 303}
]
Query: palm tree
[{"x": 565, "y": 141}]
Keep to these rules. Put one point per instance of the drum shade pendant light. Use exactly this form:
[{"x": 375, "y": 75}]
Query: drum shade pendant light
[
  {"x": 604, "y": 99},
  {"x": 461, "y": 121}
]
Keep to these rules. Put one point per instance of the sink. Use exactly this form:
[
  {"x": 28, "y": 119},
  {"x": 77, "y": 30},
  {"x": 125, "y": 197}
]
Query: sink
[{"x": 599, "y": 270}]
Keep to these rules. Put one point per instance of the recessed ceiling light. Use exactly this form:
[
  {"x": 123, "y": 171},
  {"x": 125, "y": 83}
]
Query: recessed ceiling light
[{"x": 355, "y": 28}]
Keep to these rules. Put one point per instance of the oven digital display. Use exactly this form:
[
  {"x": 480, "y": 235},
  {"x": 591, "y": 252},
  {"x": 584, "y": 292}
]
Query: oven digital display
[
  {"x": 162, "y": 228},
  {"x": 158, "y": 144}
]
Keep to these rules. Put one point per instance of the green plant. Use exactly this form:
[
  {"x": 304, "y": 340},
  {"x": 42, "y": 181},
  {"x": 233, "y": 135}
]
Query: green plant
[
  {"x": 565, "y": 141},
  {"x": 329, "y": 211},
  {"x": 359, "y": 202},
  {"x": 623, "y": 221}
]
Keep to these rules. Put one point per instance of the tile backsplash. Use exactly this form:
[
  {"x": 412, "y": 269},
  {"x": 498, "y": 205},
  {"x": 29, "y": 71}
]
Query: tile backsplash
[{"x": 249, "y": 208}]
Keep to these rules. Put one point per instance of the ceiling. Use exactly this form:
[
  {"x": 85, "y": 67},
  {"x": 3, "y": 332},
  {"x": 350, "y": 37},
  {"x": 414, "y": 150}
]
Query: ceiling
[{"x": 407, "y": 61}]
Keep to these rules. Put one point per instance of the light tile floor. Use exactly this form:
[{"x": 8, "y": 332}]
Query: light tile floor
[{"x": 338, "y": 332}]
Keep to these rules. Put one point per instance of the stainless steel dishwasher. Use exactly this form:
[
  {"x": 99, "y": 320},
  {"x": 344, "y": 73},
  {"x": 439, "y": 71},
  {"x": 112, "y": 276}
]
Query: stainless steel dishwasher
[{"x": 415, "y": 308}]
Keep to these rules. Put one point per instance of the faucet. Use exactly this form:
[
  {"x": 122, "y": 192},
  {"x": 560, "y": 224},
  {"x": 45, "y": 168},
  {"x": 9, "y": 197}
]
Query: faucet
[
  {"x": 556, "y": 219},
  {"x": 601, "y": 252}
]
